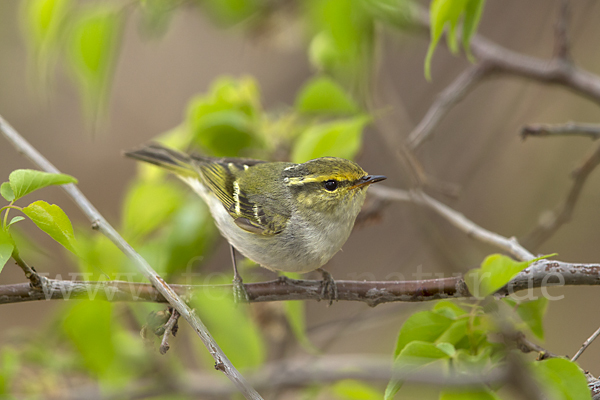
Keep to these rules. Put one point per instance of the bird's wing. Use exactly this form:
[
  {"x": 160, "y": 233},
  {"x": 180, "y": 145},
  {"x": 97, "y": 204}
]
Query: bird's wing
[{"x": 247, "y": 210}]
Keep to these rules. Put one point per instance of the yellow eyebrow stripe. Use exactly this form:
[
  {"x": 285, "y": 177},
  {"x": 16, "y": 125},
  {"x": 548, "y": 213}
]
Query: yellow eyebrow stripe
[{"x": 322, "y": 178}]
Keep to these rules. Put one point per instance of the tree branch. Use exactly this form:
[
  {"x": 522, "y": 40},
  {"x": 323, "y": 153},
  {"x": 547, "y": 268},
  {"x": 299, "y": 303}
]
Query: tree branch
[
  {"x": 98, "y": 221},
  {"x": 569, "y": 129}
]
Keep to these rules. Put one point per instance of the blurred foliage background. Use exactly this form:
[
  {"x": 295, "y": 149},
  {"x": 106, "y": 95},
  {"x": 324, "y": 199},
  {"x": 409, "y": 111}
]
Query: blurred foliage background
[{"x": 84, "y": 80}]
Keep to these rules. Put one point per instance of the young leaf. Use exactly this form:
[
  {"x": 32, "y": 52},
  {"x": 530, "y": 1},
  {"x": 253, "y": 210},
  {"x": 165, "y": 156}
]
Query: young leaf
[
  {"x": 532, "y": 313},
  {"x": 496, "y": 271},
  {"x": 52, "y": 220},
  {"x": 561, "y": 378},
  {"x": 15, "y": 220},
  {"x": 335, "y": 139},
  {"x": 25, "y": 181},
  {"x": 415, "y": 355},
  {"x": 7, "y": 192},
  {"x": 448, "y": 309},
  {"x": 473, "y": 12},
  {"x": 323, "y": 95},
  {"x": 424, "y": 326},
  {"x": 93, "y": 42},
  {"x": 6, "y": 248}
]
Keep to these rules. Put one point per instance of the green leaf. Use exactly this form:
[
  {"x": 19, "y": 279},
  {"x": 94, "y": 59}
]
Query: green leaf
[
  {"x": 448, "y": 309},
  {"x": 426, "y": 326},
  {"x": 294, "y": 312},
  {"x": 7, "y": 192},
  {"x": 473, "y": 12},
  {"x": 468, "y": 394},
  {"x": 148, "y": 204},
  {"x": 323, "y": 95},
  {"x": 25, "y": 181},
  {"x": 532, "y": 313},
  {"x": 43, "y": 23},
  {"x": 156, "y": 15},
  {"x": 52, "y": 220},
  {"x": 350, "y": 389},
  {"x": 415, "y": 355},
  {"x": 231, "y": 326},
  {"x": 14, "y": 220},
  {"x": 495, "y": 271},
  {"x": 93, "y": 42},
  {"x": 336, "y": 139},
  {"x": 6, "y": 248},
  {"x": 225, "y": 121},
  {"x": 561, "y": 379},
  {"x": 447, "y": 348},
  {"x": 455, "y": 332},
  {"x": 89, "y": 327}
]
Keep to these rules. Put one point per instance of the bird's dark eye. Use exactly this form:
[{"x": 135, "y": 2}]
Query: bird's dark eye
[{"x": 331, "y": 185}]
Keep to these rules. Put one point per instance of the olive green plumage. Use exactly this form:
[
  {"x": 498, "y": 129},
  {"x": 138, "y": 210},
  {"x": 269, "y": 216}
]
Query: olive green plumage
[{"x": 284, "y": 216}]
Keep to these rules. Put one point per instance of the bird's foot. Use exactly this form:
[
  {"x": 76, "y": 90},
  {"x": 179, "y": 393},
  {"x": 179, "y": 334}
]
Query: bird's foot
[
  {"x": 240, "y": 295},
  {"x": 329, "y": 288}
]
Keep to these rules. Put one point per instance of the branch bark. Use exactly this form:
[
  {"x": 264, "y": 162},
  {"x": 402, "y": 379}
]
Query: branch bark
[{"x": 98, "y": 221}]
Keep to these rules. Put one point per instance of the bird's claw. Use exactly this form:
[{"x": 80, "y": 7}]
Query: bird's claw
[
  {"x": 329, "y": 288},
  {"x": 240, "y": 295}
]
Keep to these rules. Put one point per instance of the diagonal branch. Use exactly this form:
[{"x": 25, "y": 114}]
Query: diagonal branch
[
  {"x": 98, "y": 221},
  {"x": 563, "y": 213}
]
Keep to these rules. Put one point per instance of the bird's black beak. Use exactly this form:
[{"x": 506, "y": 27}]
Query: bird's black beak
[{"x": 367, "y": 180}]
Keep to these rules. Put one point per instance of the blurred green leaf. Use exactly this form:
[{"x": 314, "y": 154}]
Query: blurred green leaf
[
  {"x": 455, "y": 332},
  {"x": 448, "y": 309},
  {"x": 7, "y": 192},
  {"x": 225, "y": 121},
  {"x": 10, "y": 364},
  {"x": 336, "y": 139},
  {"x": 561, "y": 379},
  {"x": 148, "y": 204},
  {"x": 156, "y": 15},
  {"x": 52, "y": 220},
  {"x": 230, "y": 12},
  {"x": 426, "y": 326},
  {"x": 43, "y": 23},
  {"x": 468, "y": 394},
  {"x": 444, "y": 13},
  {"x": 323, "y": 95},
  {"x": 350, "y": 389},
  {"x": 447, "y": 348},
  {"x": 25, "y": 181},
  {"x": 89, "y": 327},
  {"x": 295, "y": 314},
  {"x": 231, "y": 326},
  {"x": 6, "y": 248},
  {"x": 93, "y": 44},
  {"x": 532, "y": 313},
  {"x": 413, "y": 356},
  {"x": 14, "y": 220},
  {"x": 98, "y": 256}
]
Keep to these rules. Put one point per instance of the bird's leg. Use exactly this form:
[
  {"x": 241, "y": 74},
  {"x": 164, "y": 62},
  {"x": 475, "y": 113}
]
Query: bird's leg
[
  {"x": 328, "y": 286},
  {"x": 239, "y": 291}
]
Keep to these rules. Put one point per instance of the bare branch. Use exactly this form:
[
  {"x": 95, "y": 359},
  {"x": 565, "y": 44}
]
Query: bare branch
[
  {"x": 453, "y": 94},
  {"x": 170, "y": 328},
  {"x": 563, "y": 213},
  {"x": 569, "y": 129},
  {"x": 509, "y": 245},
  {"x": 586, "y": 344},
  {"x": 24, "y": 148},
  {"x": 561, "y": 37}
]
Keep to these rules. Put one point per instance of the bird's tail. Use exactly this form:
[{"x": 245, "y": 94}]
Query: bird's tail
[{"x": 179, "y": 163}]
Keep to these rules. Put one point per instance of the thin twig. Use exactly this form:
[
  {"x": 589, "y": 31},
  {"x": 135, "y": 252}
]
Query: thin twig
[
  {"x": 170, "y": 328},
  {"x": 563, "y": 213},
  {"x": 586, "y": 344},
  {"x": 509, "y": 245},
  {"x": 569, "y": 129},
  {"x": 24, "y": 148},
  {"x": 449, "y": 97},
  {"x": 561, "y": 36},
  {"x": 527, "y": 346},
  {"x": 36, "y": 280}
]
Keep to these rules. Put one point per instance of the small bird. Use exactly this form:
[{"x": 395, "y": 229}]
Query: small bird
[{"x": 284, "y": 216}]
